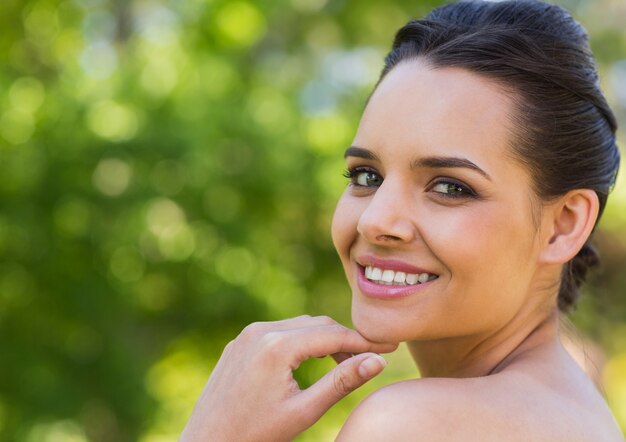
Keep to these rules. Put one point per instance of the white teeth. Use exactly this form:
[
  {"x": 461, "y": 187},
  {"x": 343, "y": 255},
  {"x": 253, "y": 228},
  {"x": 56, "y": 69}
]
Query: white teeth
[
  {"x": 387, "y": 276},
  {"x": 376, "y": 274},
  {"x": 412, "y": 278},
  {"x": 390, "y": 277},
  {"x": 399, "y": 278}
]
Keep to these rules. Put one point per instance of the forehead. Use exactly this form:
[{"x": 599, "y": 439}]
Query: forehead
[{"x": 438, "y": 108}]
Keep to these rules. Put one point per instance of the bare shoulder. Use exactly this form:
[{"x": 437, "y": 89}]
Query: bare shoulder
[
  {"x": 410, "y": 410},
  {"x": 499, "y": 407}
]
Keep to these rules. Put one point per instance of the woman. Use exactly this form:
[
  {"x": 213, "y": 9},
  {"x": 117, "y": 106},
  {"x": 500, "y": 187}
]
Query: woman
[{"x": 480, "y": 167}]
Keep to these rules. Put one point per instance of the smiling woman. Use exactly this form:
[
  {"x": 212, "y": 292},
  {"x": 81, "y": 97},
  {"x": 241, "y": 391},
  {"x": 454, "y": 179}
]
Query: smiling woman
[{"x": 477, "y": 175}]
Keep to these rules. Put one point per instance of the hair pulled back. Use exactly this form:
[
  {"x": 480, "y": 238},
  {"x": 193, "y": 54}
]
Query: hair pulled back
[{"x": 565, "y": 130}]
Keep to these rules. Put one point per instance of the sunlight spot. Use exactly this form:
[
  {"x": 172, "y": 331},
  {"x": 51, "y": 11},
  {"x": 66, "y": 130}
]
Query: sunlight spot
[
  {"x": 175, "y": 382},
  {"x": 308, "y": 5},
  {"x": 112, "y": 176},
  {"x": 165, "y": 217},
  {"x": 156, "y": 24},
  {"x": 26, "y": 94},
  {"x": 59, "y": 431},
  {"x": 235, "y": 265},
  {"x": 16, "y": 127},
  {"x": 99, "y": 60},
  {"x": 240, "y": 23},
  {"x": 177, "y": 244},
  {"x": 113, "y": 121},
  {"x": 327, "y": 134},
  {"x": 159, "y": 77},
  {"x": 270, "y": 109},
  {"x": 42, "y": 24},
  {"x": 614, "y": 377},
  {"x": 98, "y": 25}
]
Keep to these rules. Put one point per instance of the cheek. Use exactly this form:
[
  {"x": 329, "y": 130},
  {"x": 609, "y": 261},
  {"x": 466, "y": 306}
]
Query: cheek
[
  {"x": 489, "y": 254},
  {"x": 344, "y": 225},
  {"x": 483, "y": 233}
]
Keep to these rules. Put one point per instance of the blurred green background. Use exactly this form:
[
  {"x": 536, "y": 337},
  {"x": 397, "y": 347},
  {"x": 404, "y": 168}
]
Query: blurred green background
[{"x": 168, "y": 172}]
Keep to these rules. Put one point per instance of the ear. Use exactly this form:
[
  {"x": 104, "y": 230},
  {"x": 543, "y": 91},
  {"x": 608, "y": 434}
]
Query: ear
[{"x": 570, "y": 223}]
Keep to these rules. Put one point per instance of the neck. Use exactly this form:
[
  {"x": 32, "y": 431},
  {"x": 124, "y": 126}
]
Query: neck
[{"x": 481, "y": 355}]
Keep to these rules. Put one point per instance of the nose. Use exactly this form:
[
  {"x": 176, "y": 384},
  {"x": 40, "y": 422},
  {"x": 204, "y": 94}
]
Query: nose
[{"x": 387, "y": 218}]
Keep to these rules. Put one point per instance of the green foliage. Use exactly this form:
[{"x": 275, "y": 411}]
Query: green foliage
[{"x": 168, "y": 172}]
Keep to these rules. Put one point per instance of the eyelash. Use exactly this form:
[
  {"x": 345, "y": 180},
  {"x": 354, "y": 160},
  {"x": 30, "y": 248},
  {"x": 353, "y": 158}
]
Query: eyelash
[
  {"x": 466, "y": 191},
  {"x": 353, "y": 173}
]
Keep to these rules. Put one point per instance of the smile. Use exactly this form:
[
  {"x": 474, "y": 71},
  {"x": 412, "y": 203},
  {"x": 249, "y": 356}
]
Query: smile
[{"x": 390, "y": 277}]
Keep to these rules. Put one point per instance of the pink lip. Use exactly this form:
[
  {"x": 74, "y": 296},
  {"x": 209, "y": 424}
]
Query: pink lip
[
  {"x": 380, "y": 291},
  {"x": 389, "y": 264}
]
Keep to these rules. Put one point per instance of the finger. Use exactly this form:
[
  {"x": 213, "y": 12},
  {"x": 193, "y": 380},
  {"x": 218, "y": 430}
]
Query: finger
[
  {"x": 327, "y": 340},
  {"x": 256, "y": 330},
  {"x": 301, "y": 322},
  {"x": 262, "y": 327},
  {"x": 338, "y": 383}
]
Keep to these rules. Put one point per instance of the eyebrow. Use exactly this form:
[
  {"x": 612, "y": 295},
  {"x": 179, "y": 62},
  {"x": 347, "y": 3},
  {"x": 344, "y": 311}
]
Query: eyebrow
[
  {"x": 449, "y": 162},
  {"x": 434, "y": 162},
  {"x": 359, "y": 152}
]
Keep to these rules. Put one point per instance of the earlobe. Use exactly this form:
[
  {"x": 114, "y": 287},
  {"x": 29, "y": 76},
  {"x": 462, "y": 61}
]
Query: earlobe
[{"x": 572, "y": 221}]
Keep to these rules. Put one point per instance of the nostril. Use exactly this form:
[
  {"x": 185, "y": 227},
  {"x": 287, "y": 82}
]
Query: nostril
[
  {"x": 386, "y": 233},
  {"x": 386, "y": 220},
  {"x": 383, "y": 238}
]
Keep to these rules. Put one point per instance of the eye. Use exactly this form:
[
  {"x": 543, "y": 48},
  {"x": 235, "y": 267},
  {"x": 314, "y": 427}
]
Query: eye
[
  {"x": 364, "y": 177},
  {"x": 452, "y": 189}
]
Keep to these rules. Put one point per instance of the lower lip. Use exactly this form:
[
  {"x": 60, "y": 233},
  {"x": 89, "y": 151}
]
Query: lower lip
[{"x": 373, "y": 290}]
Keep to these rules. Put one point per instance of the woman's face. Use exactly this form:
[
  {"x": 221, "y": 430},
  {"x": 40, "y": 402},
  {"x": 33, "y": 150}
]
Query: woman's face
[{"x": 435, "y": 230}]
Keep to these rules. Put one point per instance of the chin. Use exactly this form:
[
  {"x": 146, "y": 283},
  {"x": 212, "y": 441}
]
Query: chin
[
  {"x": 379, "y": 330},
  {"x": 394, "y": 324}
]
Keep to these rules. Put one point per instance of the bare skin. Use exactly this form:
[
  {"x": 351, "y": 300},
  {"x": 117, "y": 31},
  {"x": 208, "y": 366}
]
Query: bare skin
[{"x": 537, "y": 393}]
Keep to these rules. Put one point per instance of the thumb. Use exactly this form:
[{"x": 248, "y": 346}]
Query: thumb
[{"x": 339, "y": 382}]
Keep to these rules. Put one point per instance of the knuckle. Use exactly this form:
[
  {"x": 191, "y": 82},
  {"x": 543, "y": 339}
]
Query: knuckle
[
  {"x": 253, "y": 330},
  {"x": 272, "y": 341},
  {"x": 346, "y": 335},
  {"x": 343, "y": 383},
  {"x": 326, "y": 320},
  {"x": 338, "y": 328}
]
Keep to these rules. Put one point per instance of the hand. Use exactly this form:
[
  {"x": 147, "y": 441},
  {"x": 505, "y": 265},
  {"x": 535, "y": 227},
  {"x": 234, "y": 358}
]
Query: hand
[{"x": 251, "y": 394}]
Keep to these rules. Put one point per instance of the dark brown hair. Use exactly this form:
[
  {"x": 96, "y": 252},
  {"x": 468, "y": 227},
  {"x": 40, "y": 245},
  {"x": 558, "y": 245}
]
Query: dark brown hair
[{"x": 565, "y": 130}]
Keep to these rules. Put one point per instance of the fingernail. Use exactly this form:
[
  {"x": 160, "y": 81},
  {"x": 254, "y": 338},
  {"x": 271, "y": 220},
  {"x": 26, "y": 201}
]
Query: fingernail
[{"x": 372, "y": 366}]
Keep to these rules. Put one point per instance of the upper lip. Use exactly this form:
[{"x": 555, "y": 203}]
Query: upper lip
[{"x": 390, "y": 264}]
